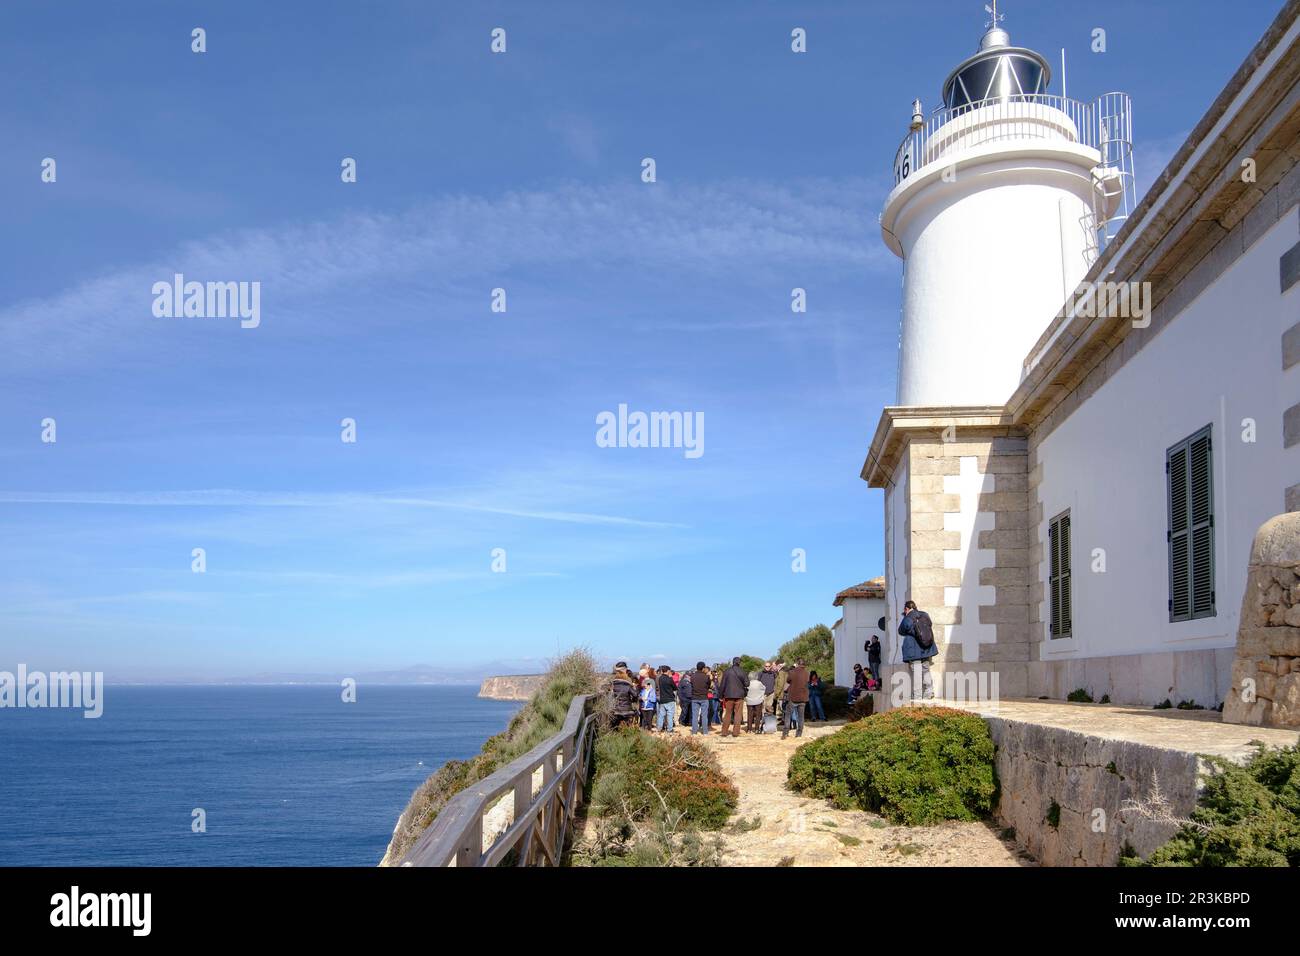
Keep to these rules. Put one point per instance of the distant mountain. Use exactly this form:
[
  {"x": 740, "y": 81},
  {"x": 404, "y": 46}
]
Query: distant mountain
[{"x": 415, "y": 674}]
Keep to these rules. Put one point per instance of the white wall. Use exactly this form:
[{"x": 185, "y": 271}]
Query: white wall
[
  {"x": 861, "y": 615},
  {"x": 1218, "y": 362},
  {"x": 896, "y": 551}
]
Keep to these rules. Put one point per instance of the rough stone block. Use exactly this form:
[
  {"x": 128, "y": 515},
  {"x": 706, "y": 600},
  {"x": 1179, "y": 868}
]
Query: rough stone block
[
  {"x": 1004, "y": 613},
  {"x": 1004, "y": 539},
  {"x": 1005, "y": 576}
]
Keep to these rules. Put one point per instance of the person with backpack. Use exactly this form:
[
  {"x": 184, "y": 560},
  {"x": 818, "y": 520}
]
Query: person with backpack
[
  {"x": 666, "y": 715},
  {"x": 700, "y": 680},
  {"x": 623, "y": 699},
  {"x": 919, "y": 648}
]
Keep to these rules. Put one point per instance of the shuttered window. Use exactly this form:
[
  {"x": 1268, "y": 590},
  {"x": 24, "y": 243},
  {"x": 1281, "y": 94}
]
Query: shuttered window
[
  {"x": 1058, "y": 574},
  {"x": 1189, "y": 466}
]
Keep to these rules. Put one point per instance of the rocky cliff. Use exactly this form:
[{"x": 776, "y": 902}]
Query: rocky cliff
[{"x": 510, "y": 687}]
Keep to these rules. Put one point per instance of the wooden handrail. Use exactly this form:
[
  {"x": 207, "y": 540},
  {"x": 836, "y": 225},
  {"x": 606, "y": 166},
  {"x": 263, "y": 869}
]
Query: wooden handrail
[{"x": 541, "y": 823}]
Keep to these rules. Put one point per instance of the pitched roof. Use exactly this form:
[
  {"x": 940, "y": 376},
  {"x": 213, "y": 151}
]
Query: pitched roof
[{"x": 875, "y": 588}]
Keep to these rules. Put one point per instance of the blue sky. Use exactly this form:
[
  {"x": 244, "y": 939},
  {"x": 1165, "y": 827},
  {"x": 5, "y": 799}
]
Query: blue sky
[{"x": 475, "y": 430}]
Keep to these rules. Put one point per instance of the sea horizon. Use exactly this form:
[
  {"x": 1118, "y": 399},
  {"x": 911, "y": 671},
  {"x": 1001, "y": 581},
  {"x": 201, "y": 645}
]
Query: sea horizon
[{"x": 275, "y": 774}]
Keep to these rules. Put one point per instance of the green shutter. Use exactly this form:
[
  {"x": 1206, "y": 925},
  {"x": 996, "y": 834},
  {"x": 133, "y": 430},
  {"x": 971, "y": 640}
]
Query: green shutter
[
  {"x": 1190, "y": 467},
  {"x": 1067, "y": 616},
  {"x": 1201, "y": 507},
  {"x": 1058, "y": 575}
]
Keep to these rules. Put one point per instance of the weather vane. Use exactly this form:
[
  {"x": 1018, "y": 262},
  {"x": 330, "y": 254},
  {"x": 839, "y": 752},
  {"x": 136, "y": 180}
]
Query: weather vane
[{"x": 992, "y": 11}]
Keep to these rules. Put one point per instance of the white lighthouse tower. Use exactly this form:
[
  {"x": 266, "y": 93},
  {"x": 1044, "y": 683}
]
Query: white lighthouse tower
[{"x": 1003, "y": 197}]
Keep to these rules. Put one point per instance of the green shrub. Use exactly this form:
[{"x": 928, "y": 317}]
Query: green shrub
[
  {"x": 914, "y": 765},
  {"x": 637, "y": 774},
  {"x": 835, "y": 701},
  {"x": 652, "y": 798},
  {"x": 1246, "y": 816},
  {"x": 541, "y": 717},
  {"x": 1080, "y": 696}
]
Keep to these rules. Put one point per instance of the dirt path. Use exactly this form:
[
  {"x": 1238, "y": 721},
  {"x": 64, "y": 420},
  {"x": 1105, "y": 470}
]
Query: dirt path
[{"x": 799, "y": 831}]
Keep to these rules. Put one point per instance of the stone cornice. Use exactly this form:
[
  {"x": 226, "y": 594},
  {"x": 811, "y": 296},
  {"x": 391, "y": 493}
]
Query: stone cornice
[
  {"x": 899, "y": 423},
  {"x": 1197, "y": 201}
]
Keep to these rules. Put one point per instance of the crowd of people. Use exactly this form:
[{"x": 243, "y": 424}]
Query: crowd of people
[
  {"x": 659, "y": 699},
  {"x": 733, "y": 699}
]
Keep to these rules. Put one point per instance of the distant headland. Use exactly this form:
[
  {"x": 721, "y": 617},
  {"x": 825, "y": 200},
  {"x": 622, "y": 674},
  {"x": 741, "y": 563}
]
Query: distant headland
[{"x": 510, "y": 686}]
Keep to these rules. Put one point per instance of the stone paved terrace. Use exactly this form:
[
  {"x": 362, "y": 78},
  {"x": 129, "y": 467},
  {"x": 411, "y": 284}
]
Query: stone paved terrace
[
  {"x": 1193, "y": 731},
  {"x": 1070, "y": 773}
]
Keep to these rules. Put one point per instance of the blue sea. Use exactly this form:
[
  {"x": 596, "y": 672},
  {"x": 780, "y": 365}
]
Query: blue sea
[{"x": 287, "y": 775}]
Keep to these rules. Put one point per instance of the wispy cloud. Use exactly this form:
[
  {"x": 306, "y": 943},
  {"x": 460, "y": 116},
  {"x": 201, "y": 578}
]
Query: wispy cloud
[
  {"x": 230, "y": 498},
  {"x": 715, "y": 229}
]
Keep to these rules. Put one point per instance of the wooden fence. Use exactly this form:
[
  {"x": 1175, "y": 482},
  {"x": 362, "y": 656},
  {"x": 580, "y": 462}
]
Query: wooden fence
[{"x": 542, "y": 821}]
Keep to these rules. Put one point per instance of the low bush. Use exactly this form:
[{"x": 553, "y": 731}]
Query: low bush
[
  {"x": 653, "y": 798},
  {"x": 835, "y": 701},
  {"x": 914, "y": 765},
  {"x": 1247, "y": 815},
  {"x": 541, "y": 717}
]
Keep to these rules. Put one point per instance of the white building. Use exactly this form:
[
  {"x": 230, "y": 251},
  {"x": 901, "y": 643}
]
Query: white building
[
  {"x": 1073, "y": 481},
  {"x": 861, "y": 608}
]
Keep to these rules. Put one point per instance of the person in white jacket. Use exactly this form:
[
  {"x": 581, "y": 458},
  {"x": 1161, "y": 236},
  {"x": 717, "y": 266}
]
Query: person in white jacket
[{"x": 754, "y": 703}]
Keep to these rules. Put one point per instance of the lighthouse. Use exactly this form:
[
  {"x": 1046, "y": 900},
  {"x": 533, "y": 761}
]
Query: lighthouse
[{"x": 1003, "y": 198}]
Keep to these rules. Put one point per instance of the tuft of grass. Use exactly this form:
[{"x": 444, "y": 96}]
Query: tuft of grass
[
  {"x": 848, "y": 840},
  {"x": 1079, "y": 696},
  {"x": 1053, "y": 818},
  {"x": 786, "y": 861},
  {"x": 652, "y": 798}
]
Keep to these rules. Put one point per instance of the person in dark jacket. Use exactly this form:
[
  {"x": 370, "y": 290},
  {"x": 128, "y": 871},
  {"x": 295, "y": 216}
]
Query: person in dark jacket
[
  {"x": 732, "y": 689},
  {"x": 666, "y": 714},
  {"x": 768, "y": 677},
  {"x": 796, "y": 698},
  {"x": 815, "y": 709},
  {"x": 914, "y": 654},
  {"x": 700, "y": 681},
  {"x": 859, "y": 683},
  {"x": 684, "y": 697},
  {"x": 873, "y": 656},
  {"x": 625, "y": 702}
]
